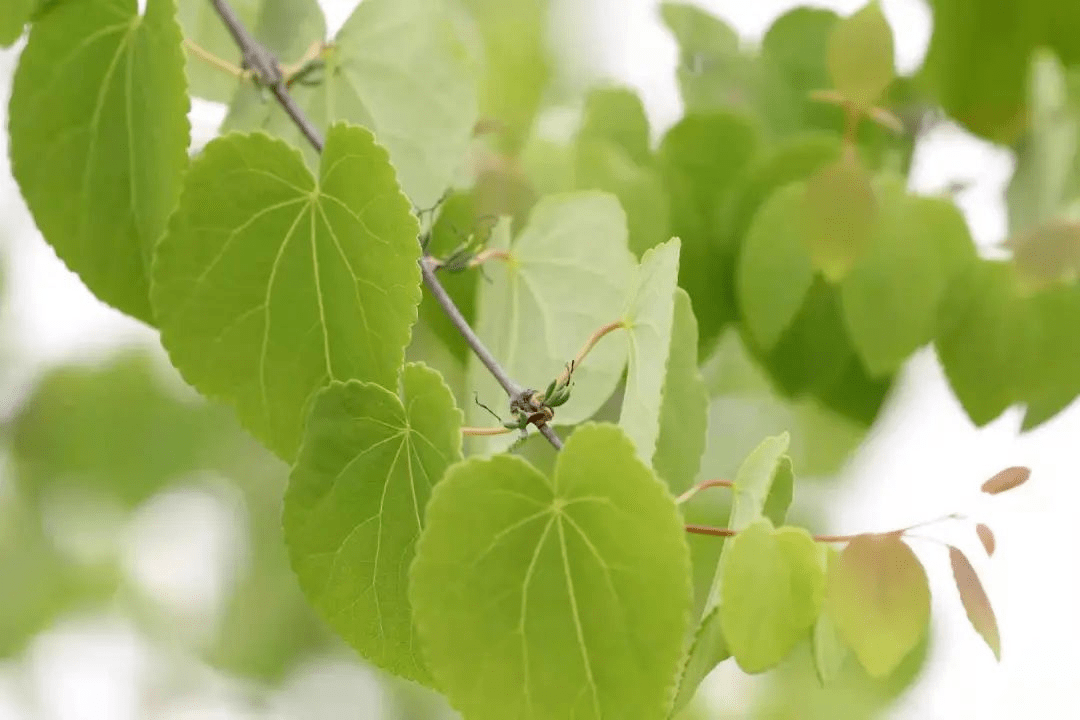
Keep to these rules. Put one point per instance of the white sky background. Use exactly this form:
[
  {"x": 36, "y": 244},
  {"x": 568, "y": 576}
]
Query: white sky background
[{"x": 924, "y": 459}]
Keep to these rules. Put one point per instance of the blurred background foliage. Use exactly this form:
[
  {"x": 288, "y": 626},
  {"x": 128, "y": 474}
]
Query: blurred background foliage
[{"x": 127, "y": 500}]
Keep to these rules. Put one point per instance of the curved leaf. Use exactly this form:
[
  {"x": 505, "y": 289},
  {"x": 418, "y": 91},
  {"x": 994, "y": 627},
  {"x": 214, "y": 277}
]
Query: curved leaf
[
  {"x": 355, "y": 507},
  {"x": 879, "y": 600},
  {"x": 684, "y": 412},
  {"x": 775, "y": 271},
  {"x": 772, "y": 593},
  {"x": 558, "y": 598},
  {"x": 976, "y": 604},
  {"x": 648, "y": 321},
  {"x": 861, "y": 55},
  {"x": 271, "y": 284},
  {"x": 99, "y": 134},
  {"x": 839, "y": 216}
]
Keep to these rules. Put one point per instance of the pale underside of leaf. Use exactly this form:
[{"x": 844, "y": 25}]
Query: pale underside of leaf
[
  {"x": 567, "y": 275},
  {"x": 402, "y": 69},
  {"x": 649, "y": 317}
]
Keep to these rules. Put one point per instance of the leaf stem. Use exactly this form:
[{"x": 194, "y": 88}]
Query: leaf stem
[
  {"x": 703, "y": 485},
  {"x": 482, "y": 431},
  {"x": 489, "y": 254},
  {"x": 587, "y": 348},
  {"x": 212, "y": 59},
  {"x": 728, "y": 532},
  {"x": 268, "y": 71}
]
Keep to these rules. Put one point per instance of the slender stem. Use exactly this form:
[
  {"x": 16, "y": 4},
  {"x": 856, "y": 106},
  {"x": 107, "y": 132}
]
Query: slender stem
[
  {"x": 266, "y": 67},
  {"x": 480, "y": 431},
  {"x": 588, "y": 346},
  {"x": 727, "y": 532},
  {"x": 208, "y": 57},
  {"x": 704, "y": 485},
  {"x": 490, "y": 254}
]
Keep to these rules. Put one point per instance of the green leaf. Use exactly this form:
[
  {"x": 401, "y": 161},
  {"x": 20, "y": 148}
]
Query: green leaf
[
  {"x": 976, "y": 604},
  {"x": 711, "y": 70},
  {"x": 775, "y": 270},
  {"x": 891, "y": 297},
  {"x": 423, "y": 112},
  {"x": 568, "y": 270},
  {"x": 709, "y": 647},
  {"x": 829, "y": 650},
  {"x": 355, "y": 507},
  {"x": 861, "y": 56},
  {"x": 979, "y": 336},
  {"x": 878, "y": 598},
  {"x": 702, "y": 159},
  {"x": 983, "y": 90},
  {"x": 271, "y": 284},
  {"x": 554, "y": 598},
  {"x": 616, "y": 115},
  {"x": 1049, "y": 378},
  {"x": 14, "y": 19},
  {"x": 839, "y": 216},
  {"x": 78, "y": 428},
  {"x": 772, "y": 593},
  {"x": 781, "y": 491},
  {"x": 203, "y": 27},
  {"x": 1047, "y": 254},
  {"x": 648, "y": 320},
  {"x": 98, "y": 123},
  {"x": 517, "y": 69},
  {"x": 684, "y": 413},
  {"x": 795, "y": 159},
  {"x": 1047, "y": 156},
  {"x": 603, "y": 165}
]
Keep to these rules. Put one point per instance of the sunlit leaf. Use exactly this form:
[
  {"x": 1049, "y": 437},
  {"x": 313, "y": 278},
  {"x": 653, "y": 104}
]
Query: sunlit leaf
[
  {"x": 1007, "y": 479},
  {"x": 879, "y": 600},
  {"x": 684, "y": 411},
  {"x": 986, "y": 537},
  {"x": 772, "y": 593},
  {"x": 861, "y": 55},
  {"x": 775, "y": 270},
  {"x": 976, "y": 604},
  {"x": 554, "y": 598},
  {"x": 648, "y": 319},
  {"x": 355, "y": 507},
  {"x": 568, "y": 273},
  {"x": 271, "y": 283},
  {"x": 423, "y": 112},
  {"x": 98, "y": 124},
  {"x": 839, "y": 216}
]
